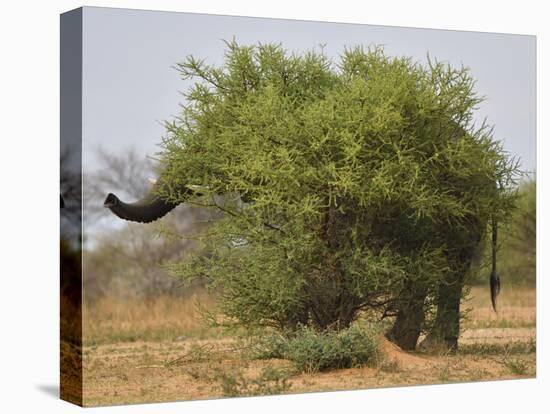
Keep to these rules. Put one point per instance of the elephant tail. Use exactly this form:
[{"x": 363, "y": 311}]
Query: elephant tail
[{"x": 494, "y": 279}]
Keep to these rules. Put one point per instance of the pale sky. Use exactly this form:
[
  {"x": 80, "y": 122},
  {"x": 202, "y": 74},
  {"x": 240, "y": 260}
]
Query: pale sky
[{"x": 129, "y": 85}]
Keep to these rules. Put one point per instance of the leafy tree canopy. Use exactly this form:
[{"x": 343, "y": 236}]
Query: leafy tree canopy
[{"x": 342, "y": 182}]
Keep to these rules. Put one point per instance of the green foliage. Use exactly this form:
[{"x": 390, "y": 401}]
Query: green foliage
[
  {"x": 313, "y": 351},
  {"x": 345, "y": 187}
]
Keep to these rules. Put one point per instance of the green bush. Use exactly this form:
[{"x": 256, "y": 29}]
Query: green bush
[
  {"x": 346, "y": 185},
  {"x": 313, "y": 351}
]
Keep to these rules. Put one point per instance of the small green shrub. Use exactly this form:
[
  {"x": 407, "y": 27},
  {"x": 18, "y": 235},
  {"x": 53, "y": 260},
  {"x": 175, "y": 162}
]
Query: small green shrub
[
  {"x": 313, "y": 351},
  {"x": 516, "y": 366},
  {"x": 271, "y": 381}
]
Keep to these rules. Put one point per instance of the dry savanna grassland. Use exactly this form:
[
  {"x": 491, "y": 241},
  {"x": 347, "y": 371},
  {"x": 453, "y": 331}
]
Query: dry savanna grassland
[{"x": 161, "y": 350}]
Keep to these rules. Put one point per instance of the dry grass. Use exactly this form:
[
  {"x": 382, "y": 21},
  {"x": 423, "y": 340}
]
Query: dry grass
[
  {"x": 511, "y": 296},
  {"x": 164, "y": 318},
  {"x": 516, "y": 308},
  {"x": 129, "y": 347}
]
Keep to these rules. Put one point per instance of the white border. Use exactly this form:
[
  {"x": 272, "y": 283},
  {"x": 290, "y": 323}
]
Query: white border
[{"x": 29, "y": 85}]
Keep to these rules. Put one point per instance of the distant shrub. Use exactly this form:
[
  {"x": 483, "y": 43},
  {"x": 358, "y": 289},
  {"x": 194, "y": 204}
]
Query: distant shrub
[{"x": 313, "y": 351}]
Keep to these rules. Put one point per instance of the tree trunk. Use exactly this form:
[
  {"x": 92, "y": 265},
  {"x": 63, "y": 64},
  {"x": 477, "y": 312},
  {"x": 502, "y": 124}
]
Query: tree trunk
[
  {"x": 332, "y": 310},
  {"x": 332, "y": 306}
]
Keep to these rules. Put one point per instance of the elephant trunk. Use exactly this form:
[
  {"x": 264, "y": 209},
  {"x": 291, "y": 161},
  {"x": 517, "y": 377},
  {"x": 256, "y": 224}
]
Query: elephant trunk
[
  {"x": 148, "y": 209},
  {"x": 143, "y": 211}
]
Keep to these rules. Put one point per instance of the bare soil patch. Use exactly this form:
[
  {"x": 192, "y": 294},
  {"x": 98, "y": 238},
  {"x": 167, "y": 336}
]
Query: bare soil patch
[{"x": 138, "y": 371}]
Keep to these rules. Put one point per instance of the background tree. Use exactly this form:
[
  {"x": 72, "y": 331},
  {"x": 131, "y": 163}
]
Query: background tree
[
  {"x": 362, "y": 185},
  {"x": 521, "y": 243},
  {"x": 517, "y": 243},
  {"x": 126, "y": 260}
]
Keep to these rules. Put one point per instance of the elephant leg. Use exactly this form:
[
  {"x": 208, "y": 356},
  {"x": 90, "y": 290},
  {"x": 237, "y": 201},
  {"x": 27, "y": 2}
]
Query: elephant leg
[
  {"x": 408, "y": 323},
  {"x": 445, "y": 331}
]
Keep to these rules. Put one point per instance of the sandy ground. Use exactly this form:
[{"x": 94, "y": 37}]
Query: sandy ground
[
  {"x": 138, "y": 371},
  {"x": 492, "y": 347}
]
